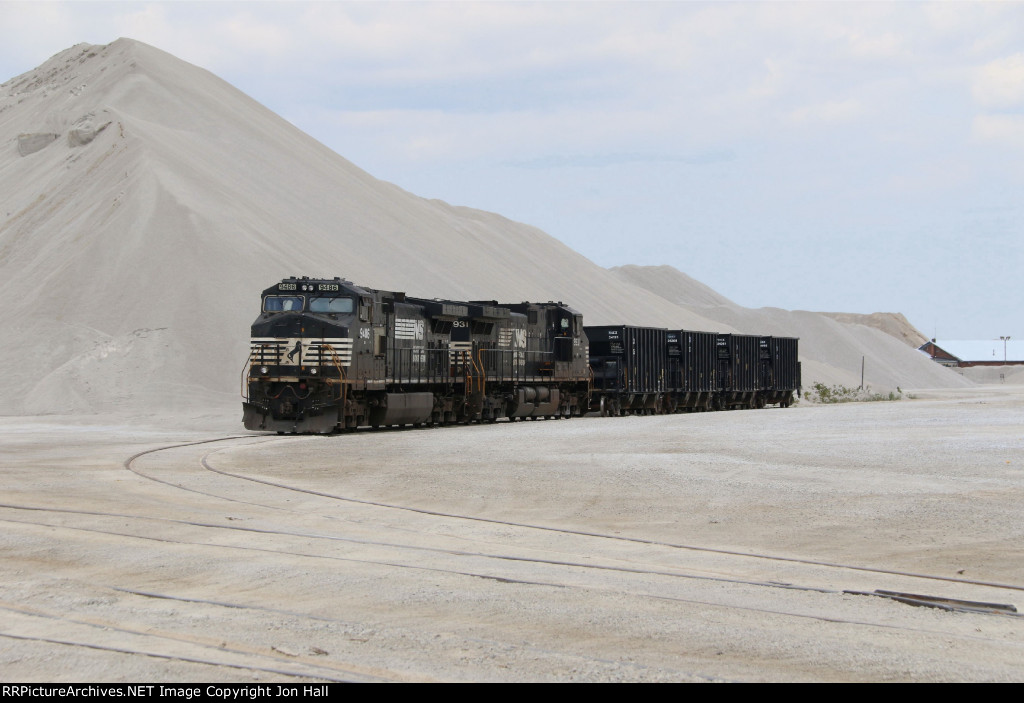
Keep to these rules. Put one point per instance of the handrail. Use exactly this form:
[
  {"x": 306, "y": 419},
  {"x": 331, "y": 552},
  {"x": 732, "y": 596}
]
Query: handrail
[
  {"x": 483, "y": 371},
  {"x": 513, "y": 364},
  {"x": 243, "y": 386},
  {"x": 342, "y": 381},
  {"x": 419, "y": 364}
]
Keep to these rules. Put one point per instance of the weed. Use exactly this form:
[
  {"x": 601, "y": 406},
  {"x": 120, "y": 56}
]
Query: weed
[{"x": 820, "y": 393}]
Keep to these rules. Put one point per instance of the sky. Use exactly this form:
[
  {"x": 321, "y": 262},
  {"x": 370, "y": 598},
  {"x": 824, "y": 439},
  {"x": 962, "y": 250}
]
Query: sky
[{"x": 839, "y": 156}]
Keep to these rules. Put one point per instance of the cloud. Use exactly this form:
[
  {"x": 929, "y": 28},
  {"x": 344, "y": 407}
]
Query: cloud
[
  {"x": 1005, "y": 130},
  {"x": 1000, "y": 83},
  {"x": 830, "y": 112},
  {"x": 603, "y": 160},
  {"x": 515, "y": 136},
  {"x": 886, "y": 45}
]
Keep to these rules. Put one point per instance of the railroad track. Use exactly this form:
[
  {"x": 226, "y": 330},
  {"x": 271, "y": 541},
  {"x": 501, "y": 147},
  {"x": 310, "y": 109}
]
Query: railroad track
[
  {"x": 570, "y": 564},
  {"x": 205, "y": 463}
]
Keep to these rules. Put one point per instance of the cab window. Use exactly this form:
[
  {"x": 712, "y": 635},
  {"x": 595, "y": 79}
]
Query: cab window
[
  {"x": 342, "y": 306},
  {"x": 282, "y": 303}
]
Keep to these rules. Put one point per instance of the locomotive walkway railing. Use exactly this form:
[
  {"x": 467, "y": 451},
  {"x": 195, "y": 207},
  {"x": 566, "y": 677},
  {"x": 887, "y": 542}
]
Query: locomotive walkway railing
[
  {"x": 474, "y": 368},
  {"x": 505, "y": 365},
  {"x": 410, "y": 365}
]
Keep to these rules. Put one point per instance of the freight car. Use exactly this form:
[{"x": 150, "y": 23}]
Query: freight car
[
  {"x": 630, "y": 369},
  {"x": 648, "y": 370},
  {"x": 328, "y": 355}
]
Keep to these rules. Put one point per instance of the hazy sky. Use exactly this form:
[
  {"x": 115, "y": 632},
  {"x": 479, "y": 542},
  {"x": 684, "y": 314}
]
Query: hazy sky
[{"x": 834, "y": 156}]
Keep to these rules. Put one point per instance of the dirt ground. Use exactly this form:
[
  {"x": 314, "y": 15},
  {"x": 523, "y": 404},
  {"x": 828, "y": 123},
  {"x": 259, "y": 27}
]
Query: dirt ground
[{"x": 706, "y": 547}]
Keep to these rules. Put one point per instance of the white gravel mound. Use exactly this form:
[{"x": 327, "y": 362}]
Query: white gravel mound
[{"x": 146, "y": 203}]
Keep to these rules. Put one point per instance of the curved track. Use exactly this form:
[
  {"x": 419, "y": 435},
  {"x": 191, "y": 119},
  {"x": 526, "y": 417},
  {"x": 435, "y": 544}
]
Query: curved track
[
  {"x": 417, "y": 554},
  {"x": 205, "y": 463}
]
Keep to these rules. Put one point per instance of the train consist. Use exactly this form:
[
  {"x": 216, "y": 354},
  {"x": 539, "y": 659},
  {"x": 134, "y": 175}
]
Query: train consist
[{"x": 328, "y": 355}]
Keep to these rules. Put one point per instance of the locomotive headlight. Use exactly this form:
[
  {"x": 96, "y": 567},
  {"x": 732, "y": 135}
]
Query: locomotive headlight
[
  {"x": 264, "y": 370},
  {"x": 313, "y": 371}
]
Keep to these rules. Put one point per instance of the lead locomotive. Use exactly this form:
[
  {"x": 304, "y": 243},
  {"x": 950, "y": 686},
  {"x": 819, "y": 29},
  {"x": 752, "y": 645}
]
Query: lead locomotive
[{"x": 327, "y": 355}]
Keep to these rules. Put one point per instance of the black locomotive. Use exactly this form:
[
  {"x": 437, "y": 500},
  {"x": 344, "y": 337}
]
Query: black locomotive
[{"x": 328, "y": 355}]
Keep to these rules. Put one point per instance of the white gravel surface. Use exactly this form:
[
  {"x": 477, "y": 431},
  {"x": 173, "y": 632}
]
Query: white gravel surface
[{"x": 707, "y": 547}]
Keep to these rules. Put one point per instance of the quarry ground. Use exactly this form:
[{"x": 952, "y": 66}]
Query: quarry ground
[{"x": 705, "y": 547}]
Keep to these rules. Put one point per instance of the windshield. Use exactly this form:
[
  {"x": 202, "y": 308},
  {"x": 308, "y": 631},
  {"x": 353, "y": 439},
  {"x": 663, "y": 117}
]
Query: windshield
[
  {"x": 282, "y": 303},
  {"x": 339, "y": 305}
]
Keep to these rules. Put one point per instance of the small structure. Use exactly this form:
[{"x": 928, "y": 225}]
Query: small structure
[{"x": 984, "y": 352}]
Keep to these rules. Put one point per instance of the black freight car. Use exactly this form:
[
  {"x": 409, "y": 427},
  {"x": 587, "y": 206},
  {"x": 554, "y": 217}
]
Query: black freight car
[
  {"x": 698, "y": 366},
  {"x": 630, "y": 367},
  {"x": 778, "y": 371},
  {"x": 736, "y": 375}
]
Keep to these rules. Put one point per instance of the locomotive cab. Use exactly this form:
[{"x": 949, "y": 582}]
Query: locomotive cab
[{"x": 301, "y": 346}]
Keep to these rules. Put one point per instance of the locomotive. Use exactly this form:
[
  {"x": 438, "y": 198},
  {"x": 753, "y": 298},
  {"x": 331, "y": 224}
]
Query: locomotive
[{"x": 328, "y": 355}]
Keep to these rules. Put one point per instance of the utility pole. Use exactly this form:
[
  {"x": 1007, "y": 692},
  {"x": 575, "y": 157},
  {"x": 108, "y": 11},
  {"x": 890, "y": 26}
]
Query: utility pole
[{"x": 1005, "y": 340}]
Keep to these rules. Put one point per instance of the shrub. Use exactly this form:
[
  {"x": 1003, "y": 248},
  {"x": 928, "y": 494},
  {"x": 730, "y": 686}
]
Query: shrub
[{"x": 820, "y": 393}]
